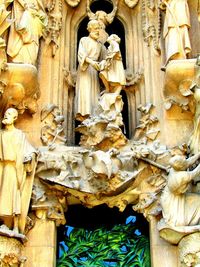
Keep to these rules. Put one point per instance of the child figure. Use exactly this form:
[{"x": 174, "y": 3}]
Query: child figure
[{"x": 112, "y": 71}]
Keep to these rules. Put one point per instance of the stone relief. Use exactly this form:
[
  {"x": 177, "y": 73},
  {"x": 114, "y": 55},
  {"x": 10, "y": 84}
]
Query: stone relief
[
  {"x": 16, "y": 91},
  {"x": 52, "y": 30},
  {"x": 52, "y": 131},
  {"x": 151, "y": 24},
  {"x": 106, "y": 167}
]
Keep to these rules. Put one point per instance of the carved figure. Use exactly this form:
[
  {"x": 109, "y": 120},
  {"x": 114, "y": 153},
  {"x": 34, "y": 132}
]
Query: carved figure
[
  {"x": 17, "y": 161},
  {"x": 176, "y": 26},
  {"x": 30, "y": 21},
  {"x": 112, "y": 70},
  {"x": 87, "y": 85},
  {"x": 179, "y": 207},
  {"x": 5, "y": 23},
  {"x": 103, "y": 18}
]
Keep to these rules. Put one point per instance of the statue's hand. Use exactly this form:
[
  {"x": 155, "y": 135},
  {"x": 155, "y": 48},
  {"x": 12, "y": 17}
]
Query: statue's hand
[{"x": 95, "y": 65}]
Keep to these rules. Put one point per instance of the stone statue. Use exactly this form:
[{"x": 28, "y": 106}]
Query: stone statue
[
  {"x": 112, "y": 70},
  {"x": 17, "y": 162},
  {"x": 30, "y": 22},
  {"x": 87, "y": 85},
  {"x": 103, "y": 18},
  {"x": 179, "y": 207},
  {"x": 175, "y": 32}
]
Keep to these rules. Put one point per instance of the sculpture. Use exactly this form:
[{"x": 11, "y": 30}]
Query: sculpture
[
  {"x": 103, "y": 18},
  {"x": 30, "y": 21},
  {"x": 17, "y": 162},
  {"x": 87, "y": 85},
  {"x": 179, "y": 207},
  {"x": 175, "y": 32},
  {"x": 112, "y": 70},
  {"x": 52, "y": 131}
]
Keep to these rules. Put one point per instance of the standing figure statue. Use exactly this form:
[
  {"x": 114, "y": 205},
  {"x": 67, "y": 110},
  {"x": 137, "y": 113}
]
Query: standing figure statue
[
  {"x": 17, "y": 165},
  {"x": 176, "y": 26},
  {"x": 180, "y": 207},
  {"x": 30, "y": 21},
  {"x": 87, "y": 84},
  {"x": 112, "y": 70}
]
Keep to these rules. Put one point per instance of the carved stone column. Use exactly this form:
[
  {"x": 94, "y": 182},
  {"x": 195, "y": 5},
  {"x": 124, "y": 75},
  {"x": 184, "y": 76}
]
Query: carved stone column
[{"x": 40, "y": 249}]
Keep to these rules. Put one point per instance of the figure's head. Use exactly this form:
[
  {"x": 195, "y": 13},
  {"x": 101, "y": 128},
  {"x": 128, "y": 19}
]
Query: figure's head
[
  {"x": 113, "y": 37},
  {"x": 93, "y": 28},
  {"x": 10, "y": 116},
  {"x": 178, "y": 162},
  {"x": 101, "y": 16}
]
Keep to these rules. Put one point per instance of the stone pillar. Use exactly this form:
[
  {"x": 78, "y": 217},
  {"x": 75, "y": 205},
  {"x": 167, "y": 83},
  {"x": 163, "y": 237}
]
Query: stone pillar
[
  {"x": 162, "y": 253},
  {"x": 40, "y": 249}
]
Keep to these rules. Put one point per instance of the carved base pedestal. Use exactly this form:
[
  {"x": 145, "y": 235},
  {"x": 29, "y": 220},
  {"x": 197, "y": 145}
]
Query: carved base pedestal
[
  {"x": 189, "y": 250},
  {"x": 10, "y": 252}
]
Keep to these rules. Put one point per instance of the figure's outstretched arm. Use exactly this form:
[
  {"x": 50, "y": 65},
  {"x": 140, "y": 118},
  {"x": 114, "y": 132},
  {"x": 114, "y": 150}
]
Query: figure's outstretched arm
[{"x": 192, "y": 160}]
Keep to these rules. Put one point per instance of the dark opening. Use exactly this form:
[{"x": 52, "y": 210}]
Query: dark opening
[
  {"x": 125, "y": 114},
  {"x": 102, "y": 236},
  {"x": 90, "y": 219}
]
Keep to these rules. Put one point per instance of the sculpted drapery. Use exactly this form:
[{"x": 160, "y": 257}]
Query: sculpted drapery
[
  {"x": 87, "y": 85},
  {"x": 29, "y": 23},
  {"x": 175, "y": 32},
  {"x": 17, "y": 166}
]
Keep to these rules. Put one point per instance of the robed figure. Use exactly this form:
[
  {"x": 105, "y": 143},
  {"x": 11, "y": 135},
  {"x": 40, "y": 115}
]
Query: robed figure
[
  {"x": 30, "y": 21},
  {"x": 17, "y": 165},
  {"x": 176, "y": 27},
  {"x": 87, "y": 86}
]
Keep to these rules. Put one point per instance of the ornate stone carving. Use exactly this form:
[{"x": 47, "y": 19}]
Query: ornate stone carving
[
  {"x": 189, "y": 250},
  {"x": 87, "y": 83},
  {"x": 175, "y": 32},
  {"x": 23, "y": 41},
  {"x": 17, "y": 173},
  {"x": 112, "y": 72},
  {"x": 102, "y": 130},
  {"x": 18, "y": 91},
  {"x": 151, "y": 24},
  {"x": 52, "y": 131},
  {"x": 148, "y": 128},
  {"x": 180, "y": 208},
  {"x": 10, "y": 252},
  {"x": 48, "y": 203},
  {"x": 53, "y": 28},
  {"x": 180, "y": 79},
  {"x": 103, "y": 18}
]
